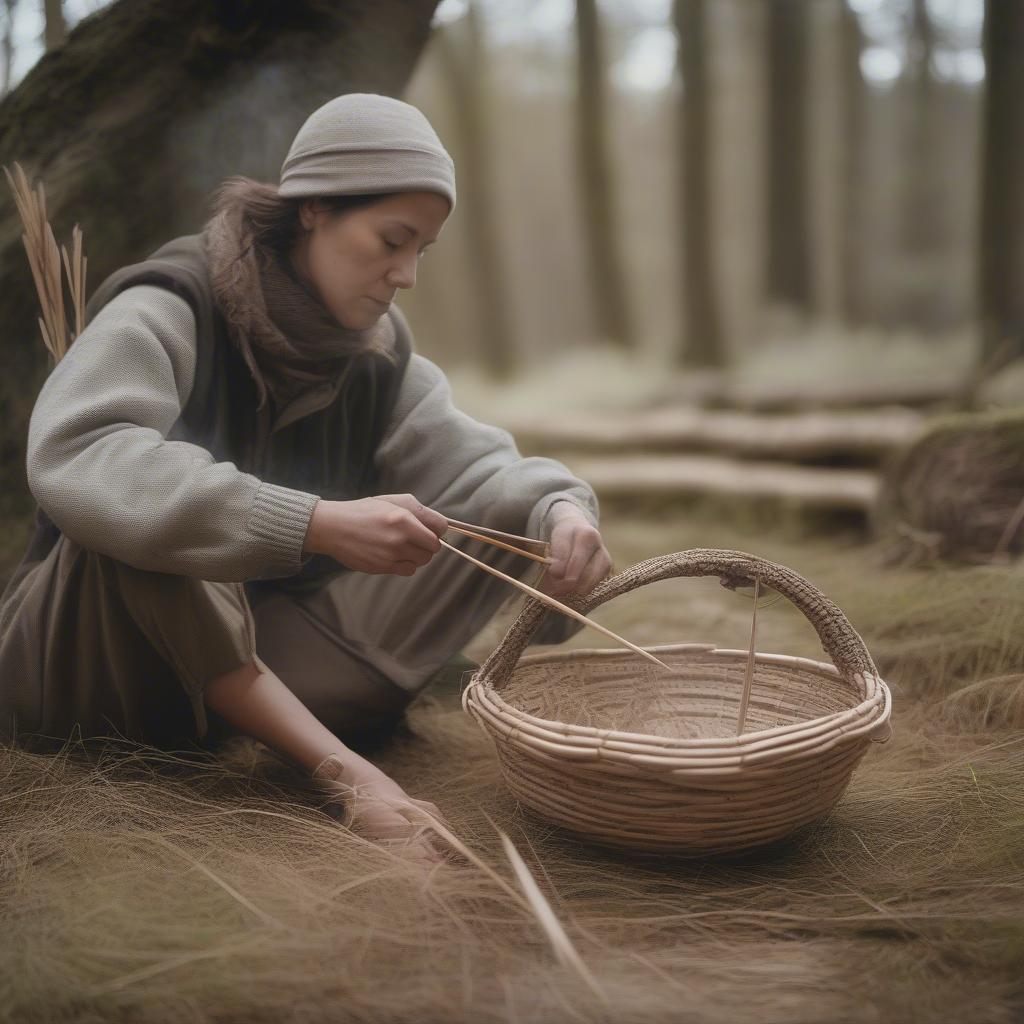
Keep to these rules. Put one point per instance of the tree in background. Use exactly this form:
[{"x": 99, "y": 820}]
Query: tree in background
[
  {"x": 8, "y": 46},
  {"x": 144, "y": 110},
  {"x": 702, "y": 342},
  {"x": 1001, "y": 235},
  {"x": 56, "y": 29},
  {"x": 787, "y": 233},
  {"x": 464, "y": 62},
  {"x": 851, "y": 256},
  {"x": 921, "y": 213},
  {"x": 595, "y": 181}
]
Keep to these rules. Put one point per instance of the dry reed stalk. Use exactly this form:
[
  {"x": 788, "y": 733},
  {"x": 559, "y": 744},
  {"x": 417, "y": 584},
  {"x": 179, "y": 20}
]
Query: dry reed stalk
[
  {"x": 502, "y": 544},
  {"x": 44, "y": 260},
  {"x": 548, "y": 920},
  {"x": 75, "y": 266},
  {"x": 497, "y": 533},
  {"x": 533, "y": 901},
  {"x": 748, "y": 677},
  {"x": 551, "y": 602}
]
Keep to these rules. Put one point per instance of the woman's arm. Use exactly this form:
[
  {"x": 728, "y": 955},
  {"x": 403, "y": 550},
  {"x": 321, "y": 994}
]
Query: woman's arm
[
  {"x": 469, "y": 470},
  {"x": 100, "y": 465},
  {"x": 256, "y": 701}
]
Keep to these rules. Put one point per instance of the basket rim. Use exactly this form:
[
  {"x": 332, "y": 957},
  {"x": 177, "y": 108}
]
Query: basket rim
[
  {"x": 866, "y": 713},
  {"x": 768, "y": 657},
  {"x": 684, "y": 756}
]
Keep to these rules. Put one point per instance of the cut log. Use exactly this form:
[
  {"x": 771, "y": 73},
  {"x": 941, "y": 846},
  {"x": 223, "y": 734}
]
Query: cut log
[
  {"x": 650, "y": 476},
  {"x": 851, "y": 436}
]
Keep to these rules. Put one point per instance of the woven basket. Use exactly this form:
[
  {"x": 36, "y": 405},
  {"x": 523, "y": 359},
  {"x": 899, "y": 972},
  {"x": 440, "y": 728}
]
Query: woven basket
[{"x": 613, "y": 749}]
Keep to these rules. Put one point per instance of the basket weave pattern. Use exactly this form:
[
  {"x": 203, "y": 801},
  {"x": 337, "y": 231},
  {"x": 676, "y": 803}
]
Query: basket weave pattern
[{"x": 613, "y": 749}]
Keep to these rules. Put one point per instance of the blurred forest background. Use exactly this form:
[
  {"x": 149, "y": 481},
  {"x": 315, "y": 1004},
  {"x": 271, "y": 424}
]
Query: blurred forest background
[
  {"x": 665, "y": 208},
  {"x": 747, "y": 267}
]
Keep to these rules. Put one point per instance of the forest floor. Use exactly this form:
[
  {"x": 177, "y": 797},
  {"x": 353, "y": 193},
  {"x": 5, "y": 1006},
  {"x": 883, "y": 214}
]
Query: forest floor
[{"x": 159, "y": 888}]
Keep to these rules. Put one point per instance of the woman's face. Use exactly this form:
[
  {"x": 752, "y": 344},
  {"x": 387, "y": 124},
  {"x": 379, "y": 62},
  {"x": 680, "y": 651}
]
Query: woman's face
[{"x": 357, "y": 260}]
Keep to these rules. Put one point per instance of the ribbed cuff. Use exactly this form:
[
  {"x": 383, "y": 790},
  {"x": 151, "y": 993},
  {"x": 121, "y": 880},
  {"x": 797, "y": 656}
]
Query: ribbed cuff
[{"x": 278, "y": 522}]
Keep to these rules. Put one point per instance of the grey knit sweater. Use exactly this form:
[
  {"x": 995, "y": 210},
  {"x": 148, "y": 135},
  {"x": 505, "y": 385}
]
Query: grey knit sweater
[{"x": 101, "y": 465}]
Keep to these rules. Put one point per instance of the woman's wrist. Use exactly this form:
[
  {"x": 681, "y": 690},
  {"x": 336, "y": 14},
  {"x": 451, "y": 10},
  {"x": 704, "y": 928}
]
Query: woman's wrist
[{"x": 314, "y": 540}]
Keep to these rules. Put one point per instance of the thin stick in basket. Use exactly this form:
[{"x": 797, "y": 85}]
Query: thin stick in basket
[
  {"x": 748, "y": 675},
  {"x": 565, "y": 609}
]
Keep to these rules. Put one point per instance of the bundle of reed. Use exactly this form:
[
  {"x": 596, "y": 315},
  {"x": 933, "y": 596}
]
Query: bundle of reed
[
  {"x": 597, "y": 743},
  {"x": 44, "y": 259}
]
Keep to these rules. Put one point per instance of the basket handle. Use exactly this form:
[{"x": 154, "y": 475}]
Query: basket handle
[{"x": 734, "y": 568}]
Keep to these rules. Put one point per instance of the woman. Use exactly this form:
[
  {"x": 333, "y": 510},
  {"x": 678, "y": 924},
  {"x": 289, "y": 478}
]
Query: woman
[{"x": 243, "y": 470}]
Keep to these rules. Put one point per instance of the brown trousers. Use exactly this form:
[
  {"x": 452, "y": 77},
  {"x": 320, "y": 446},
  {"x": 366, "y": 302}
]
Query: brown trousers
[{"x": 91, "y": 643}]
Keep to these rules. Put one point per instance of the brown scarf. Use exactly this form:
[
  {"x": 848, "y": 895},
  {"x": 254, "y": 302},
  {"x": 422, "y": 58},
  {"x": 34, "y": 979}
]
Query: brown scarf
[{"x": 288, "y": 337}]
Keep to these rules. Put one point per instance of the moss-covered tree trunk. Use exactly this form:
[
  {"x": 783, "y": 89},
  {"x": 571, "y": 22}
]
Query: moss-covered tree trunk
[{"x": 146, "y": 108}]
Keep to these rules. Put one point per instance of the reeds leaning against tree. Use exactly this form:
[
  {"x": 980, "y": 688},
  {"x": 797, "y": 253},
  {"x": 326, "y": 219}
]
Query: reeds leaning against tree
[{"x": 44, "y": 258}]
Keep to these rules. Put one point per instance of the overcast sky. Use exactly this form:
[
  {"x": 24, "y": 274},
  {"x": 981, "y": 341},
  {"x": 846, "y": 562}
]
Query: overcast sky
[{"x": 648, "y": 59}]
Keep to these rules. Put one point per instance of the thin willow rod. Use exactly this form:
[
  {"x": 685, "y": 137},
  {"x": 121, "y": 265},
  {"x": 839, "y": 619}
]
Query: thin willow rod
[
  {"x": 748, "y": 676},
  {"x": 502, "y": 544},
  {"x": 496, "y": 533},
  {"x": 544, "y": 598}
]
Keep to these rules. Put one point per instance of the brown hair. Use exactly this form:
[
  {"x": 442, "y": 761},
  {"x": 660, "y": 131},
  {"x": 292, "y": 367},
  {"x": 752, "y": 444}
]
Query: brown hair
[
  {"x": 272, "y": 225},
  {"x": 275, "y": 218}
]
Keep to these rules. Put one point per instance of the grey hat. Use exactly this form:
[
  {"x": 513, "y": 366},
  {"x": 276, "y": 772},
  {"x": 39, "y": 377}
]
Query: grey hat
[{"x": 364, "y": 142}]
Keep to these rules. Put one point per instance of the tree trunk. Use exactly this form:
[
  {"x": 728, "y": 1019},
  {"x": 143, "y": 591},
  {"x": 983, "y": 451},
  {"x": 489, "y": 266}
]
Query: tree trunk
[
  {"x": 788, "y": 256},
  {"x": 595, "y": 178},
  {"x": 703, "y": 327},
  {"x": 56, "y": 30},
  {"x": 8, "y": 46},
  {"x": 1001, "y": 241},
  {"x": 921, "y": 208},
  {"x": 144, "y": 110},
  {"x": 464, "y": 63},
  {"x": 853, "y": 168}
]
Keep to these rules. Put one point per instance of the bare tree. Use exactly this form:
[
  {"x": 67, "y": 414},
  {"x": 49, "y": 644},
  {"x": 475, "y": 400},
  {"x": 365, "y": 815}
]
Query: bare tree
[
  {"x": 56, "y": 29},
  {"x": 1001, "y": 239},
  {"x": 702, "y": 344},
  {"x": 788, "y": 244},
  {"x": 8, "y": 46},
  {"x": 147, "y": 107},
  {"x": 853, "y": 167},
  {"x": 595, "y": 177},
  {"x": 921, "y": 208},
  {"x": 464, "y": 61}
]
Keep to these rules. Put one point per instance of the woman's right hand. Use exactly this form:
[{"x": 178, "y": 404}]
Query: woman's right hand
[{"x": 389, "y": 533}]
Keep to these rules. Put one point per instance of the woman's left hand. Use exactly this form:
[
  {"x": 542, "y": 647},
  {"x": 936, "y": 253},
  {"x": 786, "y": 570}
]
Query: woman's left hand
[{"x": 580, "y": 558}]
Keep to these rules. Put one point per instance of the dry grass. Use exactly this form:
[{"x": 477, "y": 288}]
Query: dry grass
[{"x": 166, "y": 888}]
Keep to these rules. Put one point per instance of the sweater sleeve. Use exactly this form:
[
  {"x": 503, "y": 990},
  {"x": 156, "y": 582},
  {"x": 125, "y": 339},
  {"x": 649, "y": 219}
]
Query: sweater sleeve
[
  {"x": 466, "y": 469},
  {"x": 100, "y": 465}
]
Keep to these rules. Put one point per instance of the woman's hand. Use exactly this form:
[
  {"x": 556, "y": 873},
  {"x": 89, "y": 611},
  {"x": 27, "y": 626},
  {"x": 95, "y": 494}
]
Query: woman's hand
[
  {"x": 580, "y": 558},
  {"x": 373, "y": 804},
  {"x": 389, "y": 533}
]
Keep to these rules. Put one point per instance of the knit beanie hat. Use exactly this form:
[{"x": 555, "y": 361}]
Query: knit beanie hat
[{"x": 364, "y": 142}]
